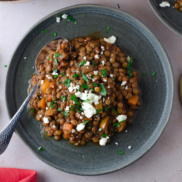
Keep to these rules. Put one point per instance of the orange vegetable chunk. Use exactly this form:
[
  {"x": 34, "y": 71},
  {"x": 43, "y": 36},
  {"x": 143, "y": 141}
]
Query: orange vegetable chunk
[
  {"x": 67, "y": 126},
  {"x": 133, "y": 100},
  {"x": 104, "y": 123},
  {"x": 42, "y": 103}
]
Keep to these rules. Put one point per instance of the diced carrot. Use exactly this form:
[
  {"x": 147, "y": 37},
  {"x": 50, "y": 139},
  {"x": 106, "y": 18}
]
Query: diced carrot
[
  {"x": 133, "y": 100},
  {"x": 122, "y": 126},
  {"x": 104, "y": 123},
  {"x": 51, "y": 112},
  {"x": 99, "y": 106},
  {"x": 47, "y": 84},
  {"x": 67, "y": 126},
  {"x": 49, "y": 98},
  {"x": 42, "y": 103}
]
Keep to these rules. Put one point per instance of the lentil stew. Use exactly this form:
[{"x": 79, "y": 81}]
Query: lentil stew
[{"x": 86, "y": 93}]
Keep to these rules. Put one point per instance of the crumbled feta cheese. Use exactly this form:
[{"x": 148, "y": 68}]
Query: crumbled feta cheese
[
  {"x": 67, "y": 108},
  {"x": 58, "y": 19},
  {"x": 123, "y": 83},
  {"x": 45, "y": 120},
  {"x": 103, "y": 62},
  {"x": 54, "y": 126},
  {"x": 110, "y": 40},
  {"x": 46, "y": 108},
  {"x": 33, "y": 67},
  {"x": 121, "y": 118},
  {"x": 116, "y": 143},
  {"x": 60, "y": 87},
  {"x": 96, "y": 72},
  {"x": 40, "y": 115},
  {"x": 126, "y": 131},
  {"x": 48, "y": 76},
  {"x": 102, "y": 47},
  {"x": 126, "y": 88},
  {"x": 73, "y": 88},
  {"x": 73, "y": 131},
  {"x": 103, "y": 99},
  {"x": 25, "y": 57},
  {"x": 41, "y": 82},
  {"x": 64, "y": 16},
  {"x": 111, "y": 75},
  {"x": 87, "y": 63},
  {"x": 93, "y": 98},
  {"x": 54, "y": 73},
  {"x": 81, "y": 117},
  {"x": 103, "y": 141},
  {"x": 80, "y": 127},
  {"x": 96, "y": 56},
  {"x": 84, "y": 57},
  {"x": 164, "y": 4},
  {"x": 101, "y": 52},
  {"x": 105, "y": 80},
  {"x": 89, "y": 109},
  {"x": 129, "y": 147},
  {"x": 99, "y": 129},
  {"x": 128, "y": 58}
]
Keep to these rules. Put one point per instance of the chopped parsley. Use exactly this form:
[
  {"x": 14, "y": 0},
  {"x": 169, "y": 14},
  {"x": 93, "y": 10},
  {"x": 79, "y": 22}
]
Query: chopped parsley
[
  {"x": 52, "y": 105},
  {"x": 114, "y": 110},
  {"x": 57, "y": 55},
  {"x": 69, "y": 17},
  {"x": 55, "y": 71},
  {"x": 33, "y": 110},
  {"x": 75, "y": 75},
  {"x": 56, "y": 61},
  {"x": 118, "y": 124},
  {"x": 65, "y": 113},
  {"x": 54, "y": 34},
  {"x": 44, "y": 31},
  {"x": 104, "y": 135},
  {"x": 129, "y": 67},
  {"x": 63, "y": 98},
  {"x": 104, "y": 72},
  {"x": 86, "y": 122},
  {"x": 106, "y": 108},
  {"x": 67, "y": 82},
  {"x": 85, "y": 86},
  {"x": 144, "y": 74},
  {"x": 63, "y": 74},
  {"x": 73, "y": 97},
  {"x": 108, "y": 28},
  {"x": 98, "y": 111},
  {"x": 103, "y": 90},
  {"x": 75, "y": 22},
  {"x": 82, "y": 63},
  {"x": 5, "y": 66},
  {"x": 59, "y": 109},
  {"x": 41, "y": 149},
  {"x": 85, "y": 15},
  {"x": 89, "y": 127},
  {"x": 45, "y": 132},
  {"x": 84, "y": 77},
  {"x": 93, "y": 63},
  {"x": 94, "y": 84},
  {"x": 154, "y": 73},
  {"x": 120, "y": 152}
]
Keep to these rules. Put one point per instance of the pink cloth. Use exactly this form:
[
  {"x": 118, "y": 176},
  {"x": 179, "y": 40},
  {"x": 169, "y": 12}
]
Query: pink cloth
[{"x": 17, "y": 175}]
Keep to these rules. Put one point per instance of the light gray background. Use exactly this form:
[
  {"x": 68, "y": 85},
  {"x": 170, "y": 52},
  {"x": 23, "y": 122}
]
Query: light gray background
[{"x": 162, "y": 163}]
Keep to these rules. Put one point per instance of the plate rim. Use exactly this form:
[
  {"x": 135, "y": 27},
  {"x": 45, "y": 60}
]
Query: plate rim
[
  {"x": 165, "y": 22},
  {"x": 158, "y": 130}
]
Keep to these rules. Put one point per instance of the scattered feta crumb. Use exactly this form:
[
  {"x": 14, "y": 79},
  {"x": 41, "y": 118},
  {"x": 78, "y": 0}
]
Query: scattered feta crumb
[
  {"x": 54, "y": 126},
  {"x": 111, "y": 75},
  {"x": 110, "y": 40},
  {"x": 96, "y": 72},
  {"x": 40, "y": 115},
  {"x": 102, "y": 47},
  {"x": 101, "y": 52},
  {"x": 58, "y": 19},
  {"x": 128, "y": 58},
  {"x": 87, "y": 63},
  {"x": 33, "y": 67},
  {"x": 126, "y": 88},
  {"x": 48, "y": 76},
  {"x": 103, "y": 62},
  {"x": 64, "y": 16},
  {"x": 42, "y": 81},
  {"x": 99, "y": 129},
  {"x": 84, "y": 57},
  {"x": 103, "y": 99},
  {"x": 54, "y": 73},
  {"x": 129, "y": 147},
  {"x": 164, "y": 4},
  {"x": 73, "y": 131},
  {"x": 126, "y": 131},
  {"x": 83, "y": 156},
  {"x": 73, "y": 88},
  {"x": 103, "y": 141},
  {"x": 121, "y": 117},
  {"x": 89, "y": 109},
  {"x": 116, "y": 143},
  {"x": 46, "y": 108},
  {"x": 25, "y": 57},
  {"x": 81, "y": 117},
  {"x": 123, "y": 83},
  {"x": 104, "y": 79},
  {"x": 96, "y": 56},
  {"x": 67, "y": 108},
  {"x": 60, "y": 87},
  {"x": 80, "y": 127},
  {"x": 45, "y": 119}
]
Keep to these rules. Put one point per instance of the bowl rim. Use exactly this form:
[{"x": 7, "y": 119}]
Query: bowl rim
[
  {"x": 158, "y": 131},
  {"x": 164, "y": 21}
]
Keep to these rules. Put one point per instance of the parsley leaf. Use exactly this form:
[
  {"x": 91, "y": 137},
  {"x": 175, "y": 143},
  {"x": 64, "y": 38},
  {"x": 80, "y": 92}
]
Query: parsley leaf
[
  {"x": 154, "y": 73},
  {"x": 67, "y": 82},
  {"x": 106, "y": 108},
  {"x": 73, "y": 97},
  {"x": 75, "y": 75},
  {"x": 85, "y": 86},
  {"x": 82, "y": 63},
  {"x": 108, "y": 28},
  {"x": 103, "y": 90},
  {"x": 63, "y": 98},
  {"x": 54, "y": 34},
  {"x": 120, "y": 152},
  {"x": 57, "y": 55},
  {"x": 94, "y": 84},
  {"x": 116, "y": 124},
  {"x": 44, "y": 31},
  {"x": 114, "y": 110},
  {"x": 98, "y": 111},
  {"x": 84, "y": 77},
  {"x": 52, "y": 105},
  {"x": 104, "y": 72},
  {"x": 86, "y": 122},
  {"x": 41, "y": 149},
  {"x": 56, "y": 61},
  {"x": 65, "y": 113},
  {"x": 59, "y": 109},
  {"x": 104, "y": 135},
  {"x": 33, "y": 110},
  {"x": 129, "y": 67}
]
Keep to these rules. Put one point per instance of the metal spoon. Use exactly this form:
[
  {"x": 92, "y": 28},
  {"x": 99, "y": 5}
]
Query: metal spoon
[{"x": 6, "y": 133}]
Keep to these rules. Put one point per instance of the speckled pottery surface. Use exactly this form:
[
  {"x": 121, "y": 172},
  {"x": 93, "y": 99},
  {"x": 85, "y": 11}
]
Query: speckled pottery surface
[
  {"x": 170, "y": 16},
  {"x": 157, "y": 91}
]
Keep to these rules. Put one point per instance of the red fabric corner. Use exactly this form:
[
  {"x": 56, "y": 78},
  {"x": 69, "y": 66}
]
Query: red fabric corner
[{"x": 17, "y": 175}]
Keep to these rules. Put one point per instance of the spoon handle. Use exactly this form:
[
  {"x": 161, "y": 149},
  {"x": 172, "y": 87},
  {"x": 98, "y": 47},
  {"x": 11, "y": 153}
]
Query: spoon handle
[{"x": 7, "y": 131}]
